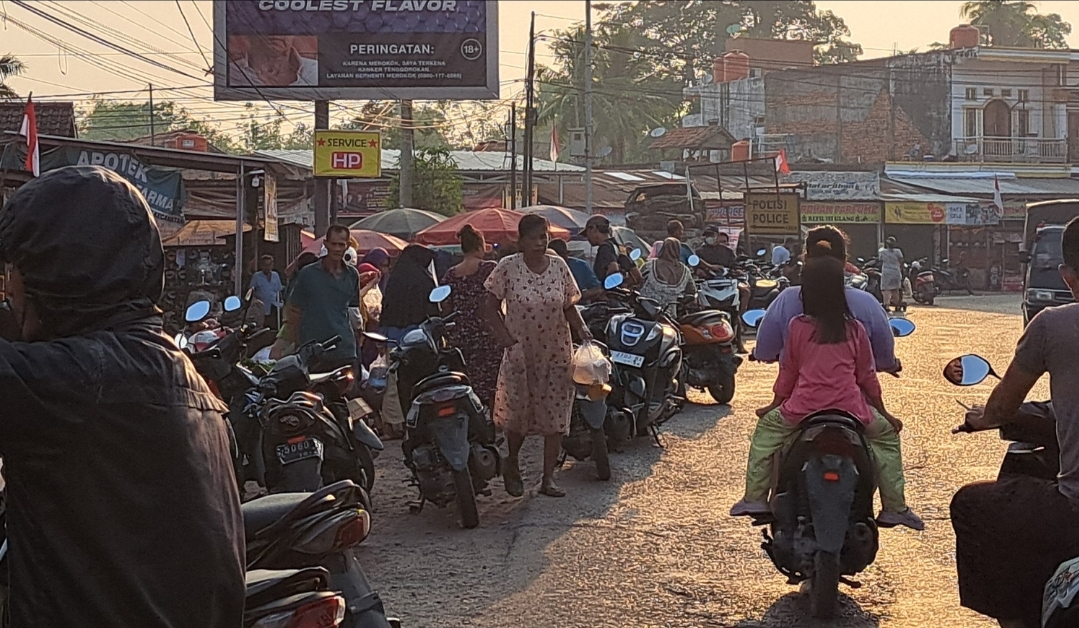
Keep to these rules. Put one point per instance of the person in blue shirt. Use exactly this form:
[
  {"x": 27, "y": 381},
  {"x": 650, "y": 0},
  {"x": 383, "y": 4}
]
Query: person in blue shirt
[
  {"x": 675, "y": 229},
  {"x": 266, "y": 287},
  {"x": 582, "y": 272}
]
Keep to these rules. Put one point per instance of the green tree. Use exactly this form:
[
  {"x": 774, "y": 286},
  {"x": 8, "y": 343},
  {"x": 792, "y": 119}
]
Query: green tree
[
  {"x": 124, "y": 121},
  {"x": 1017, "y": 24},
  {"x": 9, "y": 67},
  {"x": 385, "y": 117},
  {"x": 268, "y": 133},
  {"x": 436, "y": 184}
]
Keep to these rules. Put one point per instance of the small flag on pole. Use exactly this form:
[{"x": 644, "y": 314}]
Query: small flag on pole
[
  {"x": 782, "y": 166},
  {"x": 554, "y": 142},
  {"x": 29, "y": 131},
  {"x": 997, "y": 200}
]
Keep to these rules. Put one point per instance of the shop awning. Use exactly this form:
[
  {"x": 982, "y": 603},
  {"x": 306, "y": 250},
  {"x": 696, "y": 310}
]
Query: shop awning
[
  {"x": 1057, "y": 187},
  {"x": 203, "y": 233}
]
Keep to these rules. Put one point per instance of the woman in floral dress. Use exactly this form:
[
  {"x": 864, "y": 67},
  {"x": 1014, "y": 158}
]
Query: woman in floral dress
[
  {"x": 471, "y": 334},
  {"x": 535, "y": 390}
]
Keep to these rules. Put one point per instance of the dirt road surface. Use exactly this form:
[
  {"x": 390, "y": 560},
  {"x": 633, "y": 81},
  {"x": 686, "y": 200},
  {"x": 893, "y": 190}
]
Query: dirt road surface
[{"x": 654, "y": 546}]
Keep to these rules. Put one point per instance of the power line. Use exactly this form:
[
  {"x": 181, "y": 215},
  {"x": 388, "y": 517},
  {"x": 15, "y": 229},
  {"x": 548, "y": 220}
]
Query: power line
[{"x": 192, "y": 33}]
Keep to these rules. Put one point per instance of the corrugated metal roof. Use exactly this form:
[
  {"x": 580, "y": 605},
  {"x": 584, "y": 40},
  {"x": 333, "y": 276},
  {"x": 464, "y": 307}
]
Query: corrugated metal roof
[
  {"x": 940, "y": 199},
  {"x": 467, "y": 161},
  {"x": 1009, "y": 186},
  {"x": 695, "y": 138}
]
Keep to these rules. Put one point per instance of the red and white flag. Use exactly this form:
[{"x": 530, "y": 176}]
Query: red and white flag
[
  {"x": 782, "y": 166},
  {"x": 29, "y": 131},
  {"x": 554, "y": 142},
  {"x": 997, "y": 200}
]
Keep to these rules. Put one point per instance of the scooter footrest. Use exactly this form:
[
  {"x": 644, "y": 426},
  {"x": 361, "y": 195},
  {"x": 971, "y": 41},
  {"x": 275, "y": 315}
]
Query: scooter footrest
[{"x": 854, "y": 584}]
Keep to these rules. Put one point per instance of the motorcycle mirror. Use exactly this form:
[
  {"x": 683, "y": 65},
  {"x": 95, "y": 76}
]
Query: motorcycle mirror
[
  {"x": 901, "y": 327},
  {"x": 635, "y": 254},
  {"x": 944, "y": 261},
  {"x": 233, "y": 303},
  {"x": 968, "y": 370},
  {"x": 861, "y": 260},
  {"x": 197, "y": 311},
  {"x": 694, "y": 261},
  {"x": 440, "y": 294},
  {"x": 752, "y": 318},
  {"x": 181, "y": 341},
  {"x": 761, "y": 252},
  {"x": 375, "y": 336},
  {"x": 613, "y": 281}
]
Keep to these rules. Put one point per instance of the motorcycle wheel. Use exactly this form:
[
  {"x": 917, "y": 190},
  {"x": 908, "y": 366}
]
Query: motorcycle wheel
[
  {"x": 599, "y": 454},
  {"x": 466, "y": 499},
  {"x": 824, "y": 588},
  {"x": 723, "y": 392}
]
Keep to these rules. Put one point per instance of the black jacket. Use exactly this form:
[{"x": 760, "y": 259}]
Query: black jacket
[{"x": 122, "y": 502}]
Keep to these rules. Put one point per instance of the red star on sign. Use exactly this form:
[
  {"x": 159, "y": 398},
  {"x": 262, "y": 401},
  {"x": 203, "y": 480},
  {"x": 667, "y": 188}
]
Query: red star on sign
[
  {"x": 374, "y": 143},
  {"x": 321, "y": 142}
]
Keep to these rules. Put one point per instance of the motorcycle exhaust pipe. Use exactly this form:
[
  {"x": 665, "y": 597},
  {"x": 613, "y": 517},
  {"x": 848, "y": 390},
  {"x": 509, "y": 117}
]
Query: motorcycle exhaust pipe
[{"x": 483, "y": 462}]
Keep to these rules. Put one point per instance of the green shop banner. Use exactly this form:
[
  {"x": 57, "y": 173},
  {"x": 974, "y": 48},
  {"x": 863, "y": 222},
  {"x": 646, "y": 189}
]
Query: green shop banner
[{"x": 163, "y": 188}]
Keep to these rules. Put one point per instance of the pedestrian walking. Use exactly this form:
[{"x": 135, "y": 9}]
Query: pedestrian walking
[
  {"x": 320, "y": 299},
  {"x": 891, "y": 273},
  {"x": 405, "y": 302},
  {"x": 535, "y": 390},
  {"x": 471, "y": 333},
  {"x": 266, "y": 287}
]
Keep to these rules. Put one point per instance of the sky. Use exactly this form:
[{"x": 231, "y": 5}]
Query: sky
[{"x": 879, "y": 26}]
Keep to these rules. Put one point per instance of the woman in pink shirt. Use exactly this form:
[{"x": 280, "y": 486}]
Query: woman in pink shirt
[{"x": 827, "y": 364}]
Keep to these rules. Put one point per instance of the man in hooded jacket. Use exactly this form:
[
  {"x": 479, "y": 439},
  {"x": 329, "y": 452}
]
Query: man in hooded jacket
[{"x": 122, "y": 503}]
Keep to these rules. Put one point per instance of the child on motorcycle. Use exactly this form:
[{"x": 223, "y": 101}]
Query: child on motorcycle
[{"x": 827, "y": 364}]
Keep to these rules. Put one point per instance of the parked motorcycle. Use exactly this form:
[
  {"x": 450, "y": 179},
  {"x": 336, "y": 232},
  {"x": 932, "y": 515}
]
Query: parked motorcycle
[
  {"x": 646, "y": 351},
  {"x": 709, "y": 359},
  {"x": 320, "y": 529},
  {"x": 871, "y": 270},
  {"x": 822, "y": 528},
  {"x": 955, "y": 279},
  {"x": 449, "y": 442},
  {"x": 1034, "y": 451},
  {"x": 291, "y": 597},
  {"x": 587, "y": 436},
  {"x": 922, "y": 281}
]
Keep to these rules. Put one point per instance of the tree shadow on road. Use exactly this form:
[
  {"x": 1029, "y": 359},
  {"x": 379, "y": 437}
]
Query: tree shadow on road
[
  {"x": 695, "y": 420},
  {"x": 792, "y": 611}
]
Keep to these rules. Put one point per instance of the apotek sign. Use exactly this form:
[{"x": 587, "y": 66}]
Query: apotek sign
[
  {"x": 348, "y": 154},
  {"x": 771, "y": 214}
]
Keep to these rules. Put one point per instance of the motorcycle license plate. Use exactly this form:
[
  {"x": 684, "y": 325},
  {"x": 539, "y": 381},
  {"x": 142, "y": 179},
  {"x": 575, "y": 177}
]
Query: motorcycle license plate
[
  {"x": 628, "y": 359},
  {"x": 301, "y": 450}
]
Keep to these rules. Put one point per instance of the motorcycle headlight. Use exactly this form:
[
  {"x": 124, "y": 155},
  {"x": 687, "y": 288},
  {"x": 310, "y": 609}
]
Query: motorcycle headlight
[{"x": 1039, "y": 295}]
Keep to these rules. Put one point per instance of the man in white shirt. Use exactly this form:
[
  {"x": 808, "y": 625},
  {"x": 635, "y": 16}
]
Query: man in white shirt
[{"x": 780, "y": 254}]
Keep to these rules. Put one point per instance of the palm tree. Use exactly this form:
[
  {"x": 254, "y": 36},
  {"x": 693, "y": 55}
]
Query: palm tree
[
  {"x": 1017, "y": 24},
  {"x": 9, "y": 66}
]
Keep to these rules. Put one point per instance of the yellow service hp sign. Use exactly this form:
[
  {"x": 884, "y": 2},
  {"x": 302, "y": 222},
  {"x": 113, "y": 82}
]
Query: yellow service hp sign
[
  {"x": 348, "y": 154},
  {"x": 771, "y": 213}
]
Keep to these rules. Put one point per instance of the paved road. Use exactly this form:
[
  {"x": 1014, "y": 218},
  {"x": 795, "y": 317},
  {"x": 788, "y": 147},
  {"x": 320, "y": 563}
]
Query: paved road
[{"x": 654, "y": 547}]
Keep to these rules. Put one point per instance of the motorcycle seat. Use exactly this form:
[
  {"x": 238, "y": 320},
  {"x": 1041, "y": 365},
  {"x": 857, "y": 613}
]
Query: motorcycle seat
[
  {"x": 261, "y": 513},
  {"x": 438, "y": 380},
  {"x": 266, "y": 585},
  {"x": 706, "y": 317},
  {"x": 834, "y": 417}
]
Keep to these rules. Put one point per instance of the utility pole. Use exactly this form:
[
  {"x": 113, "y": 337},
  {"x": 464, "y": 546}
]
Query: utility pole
[
  {"x": 153, "y": 134},
  {"x": 588, "y": 106},
  {"x": 530, "y": 115},
  {"x": 405, "y": 162},
  {"x": 513, "y": 154},
  {"x": 322, "y": 186}
]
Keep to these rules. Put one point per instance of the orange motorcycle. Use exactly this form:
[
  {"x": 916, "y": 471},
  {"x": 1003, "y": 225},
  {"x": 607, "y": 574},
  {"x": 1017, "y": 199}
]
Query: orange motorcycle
[{"x": 709, "y": 360}]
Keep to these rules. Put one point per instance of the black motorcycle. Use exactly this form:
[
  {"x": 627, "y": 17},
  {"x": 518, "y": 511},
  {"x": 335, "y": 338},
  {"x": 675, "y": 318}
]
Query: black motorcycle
[
  {"x": 449, "y": 442},
  {"x": 955, "y": 279},
  {"x": 587, "y": 436},
  {"x": 646, "y": 349},
  {"x": 822, "y": 528}
]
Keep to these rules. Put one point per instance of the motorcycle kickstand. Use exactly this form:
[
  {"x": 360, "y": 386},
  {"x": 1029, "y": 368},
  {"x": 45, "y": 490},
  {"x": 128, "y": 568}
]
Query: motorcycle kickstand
[
  {"x": 416, "y": 507},
  {"x": 655, "y": 436},
  {"x": 854, "y": 584},
  {"x": 561, "y": 459}
]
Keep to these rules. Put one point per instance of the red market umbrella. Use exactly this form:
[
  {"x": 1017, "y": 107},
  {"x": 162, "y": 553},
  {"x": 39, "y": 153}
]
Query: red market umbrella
[
  {"x": 498, "y": 226},
  {"x": 367, "y": 240}
]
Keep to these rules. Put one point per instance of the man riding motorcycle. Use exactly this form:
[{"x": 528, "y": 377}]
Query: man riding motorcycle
[
  {"x": 122, "y": 502},
  {"x": 1011, "y": 534}
]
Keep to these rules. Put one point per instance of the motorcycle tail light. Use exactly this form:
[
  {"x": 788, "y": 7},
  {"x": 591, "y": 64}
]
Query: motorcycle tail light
[
  {"x": 445, "y": 411},
  {"x": 721, "y": 331},
  {"x": 344, "y": 530},
  {"x": 354, "y": 532},
  {"x": 831, "y": 476},
  {"x": 344, "y": 381},
  {"x": 325, "y": 613}
]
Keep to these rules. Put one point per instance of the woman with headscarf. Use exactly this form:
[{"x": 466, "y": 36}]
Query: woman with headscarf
[
  {"x": 380, "y": 259},
  {"x": 405, "y": 300},
  {"x": 666, "y": 278}
]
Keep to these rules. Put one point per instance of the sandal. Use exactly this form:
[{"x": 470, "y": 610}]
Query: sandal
[
  {"x": 511, "y": 477},
  {"x": 550, "y": 489}
]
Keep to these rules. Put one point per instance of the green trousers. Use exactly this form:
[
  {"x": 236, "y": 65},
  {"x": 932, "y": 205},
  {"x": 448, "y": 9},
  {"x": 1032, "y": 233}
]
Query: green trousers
[{"x": 773, "y": 434}]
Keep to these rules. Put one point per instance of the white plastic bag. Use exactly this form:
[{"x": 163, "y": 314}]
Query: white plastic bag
[{"x": 590, "y": 366}]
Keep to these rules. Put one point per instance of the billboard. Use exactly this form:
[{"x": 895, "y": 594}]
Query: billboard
[
  {"x": 914, "y": 213},
  {"x": 355, "y": 49},
  {"x": 348, "y": 154}
]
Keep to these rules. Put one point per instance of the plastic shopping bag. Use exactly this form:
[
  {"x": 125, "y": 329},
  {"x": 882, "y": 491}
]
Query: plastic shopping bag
[{"x": 590, "y": 366}]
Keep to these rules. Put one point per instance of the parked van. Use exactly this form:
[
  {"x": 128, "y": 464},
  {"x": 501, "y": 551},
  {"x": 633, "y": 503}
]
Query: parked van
[{"x": 1042, "y": 254}]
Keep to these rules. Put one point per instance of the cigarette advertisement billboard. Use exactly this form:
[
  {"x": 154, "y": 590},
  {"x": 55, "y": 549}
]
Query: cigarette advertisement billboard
[{"x": 355, "y": 49}]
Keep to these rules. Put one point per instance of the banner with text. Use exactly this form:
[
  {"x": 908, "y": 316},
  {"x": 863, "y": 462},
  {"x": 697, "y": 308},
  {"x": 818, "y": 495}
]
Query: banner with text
[
  {"x": 768, "y": 213},
  {"x": 355, "y": 49},
  {"x": 824, "y": 213},
  {"x": 914, "y": 213},
  {"x": 348, "y": 154},
  {"x": 837, "y": 186}
]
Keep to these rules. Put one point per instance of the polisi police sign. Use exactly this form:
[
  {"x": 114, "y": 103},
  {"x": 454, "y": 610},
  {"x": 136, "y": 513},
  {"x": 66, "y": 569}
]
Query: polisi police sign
[
  {"x": 769, "y": 213},
  {"x": 348, "y": 154}
]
